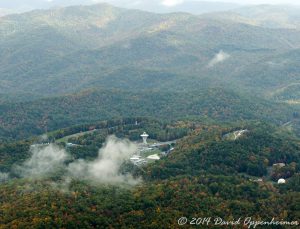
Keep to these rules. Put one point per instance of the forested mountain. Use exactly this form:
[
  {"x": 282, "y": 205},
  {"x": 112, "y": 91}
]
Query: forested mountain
[
  {"x": 268, "y": 16},
  {"x": 207, "y": 174},
  {"x": 136, "y": 56},
  {"x": 22, "y": 119},
  {"x": 157, "y": 6},
  {"x": 283, "y": 16},
  {"x": 69, "y": 49},
  {"x": 191, "y": 6},
  {"x": 252, "y": 154},
  {"x": 218, "y": 95}
]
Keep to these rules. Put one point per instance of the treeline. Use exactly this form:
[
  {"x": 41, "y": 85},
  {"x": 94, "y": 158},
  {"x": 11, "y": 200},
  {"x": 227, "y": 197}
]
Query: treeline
[
  {"x": 91, "y": 137},
  {"x": 253, "y": 153},
  {"x": 20, "y": 120},
  {"x": 11, "y": 153},
  {"x": 206, "y": 175},
  {"x": 152, "y": 205}
]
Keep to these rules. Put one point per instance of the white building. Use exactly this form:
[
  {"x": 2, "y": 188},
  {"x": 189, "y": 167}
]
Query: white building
[
  {"x": 154, "y": 157},
  {"x": 279, "y": 165},
  {"x": 281, "y": 181}
]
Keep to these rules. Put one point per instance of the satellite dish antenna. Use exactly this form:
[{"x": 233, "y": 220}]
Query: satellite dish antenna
[{"x": 145, "y": 136}]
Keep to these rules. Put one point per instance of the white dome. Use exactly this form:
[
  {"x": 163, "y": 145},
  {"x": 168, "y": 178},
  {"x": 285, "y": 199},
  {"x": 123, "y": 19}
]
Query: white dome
[{"x": 281, "y": 181}]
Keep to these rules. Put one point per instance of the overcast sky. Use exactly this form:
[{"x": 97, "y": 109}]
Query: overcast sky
[
  {"x": 244, "y": 1},
  {"x": 22, "y": 5}
]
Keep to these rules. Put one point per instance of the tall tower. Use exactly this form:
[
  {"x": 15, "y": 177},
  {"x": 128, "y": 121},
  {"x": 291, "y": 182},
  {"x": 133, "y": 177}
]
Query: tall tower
[{"x": 145, "y": 136}]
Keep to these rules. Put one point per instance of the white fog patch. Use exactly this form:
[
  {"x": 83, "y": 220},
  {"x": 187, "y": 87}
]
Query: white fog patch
[
  {"x": 43, "y": 161},
  {"x": 106, "y": 168},
  {"x": 4, "y": 177},
  {"x": 218, "y": 58},
  {"x": 62, "y": 186},
  {"x": 43, "y": 137}
]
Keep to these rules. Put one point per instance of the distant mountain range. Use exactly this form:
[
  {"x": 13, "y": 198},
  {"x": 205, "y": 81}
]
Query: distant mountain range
[
  {"x": 157, "y": 6},
  {"x": 68, "y": 49},
  {"x": 193, "y": 7},
  {"x": 262, "y": 15},
  {"x": 64, "y": 51},
  {"x": 217, "y": 92},
  {"x": 4, "y": 12}
]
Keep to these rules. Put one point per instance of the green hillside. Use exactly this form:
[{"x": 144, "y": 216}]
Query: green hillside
[
  {"x": 69, "y": 49},
  {"x": 205, "y": 175},
  {"x": 217, "y": 94},
  {"x": 19, "y": 120},
  {"x": 267, "y": 16},
  {"x": 144, "y": 63},
  {"x": 252, "y": 154},
  {"x": 271, "y": 76}
]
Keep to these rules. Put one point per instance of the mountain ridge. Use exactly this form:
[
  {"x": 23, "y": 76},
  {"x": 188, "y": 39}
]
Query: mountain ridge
[
  {"x": 46, "y": 48},
  {"x": 160, "y": 54}
]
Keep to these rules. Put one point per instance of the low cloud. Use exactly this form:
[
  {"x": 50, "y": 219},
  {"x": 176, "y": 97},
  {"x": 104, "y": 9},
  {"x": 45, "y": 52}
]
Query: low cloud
[
  {"x": 105, "y": 169},
  {"x": 44, "y": 161},
  {"x": 43, "y": 138},
  {"x": 4, "y": 177},
  {"x": 218, "y": 58}
]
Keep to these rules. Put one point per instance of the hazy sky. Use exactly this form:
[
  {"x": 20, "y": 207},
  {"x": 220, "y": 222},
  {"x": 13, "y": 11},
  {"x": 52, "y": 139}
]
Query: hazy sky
[
  {"x": 243, "y": 1},
  {"x": 34, "y": 4}
]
